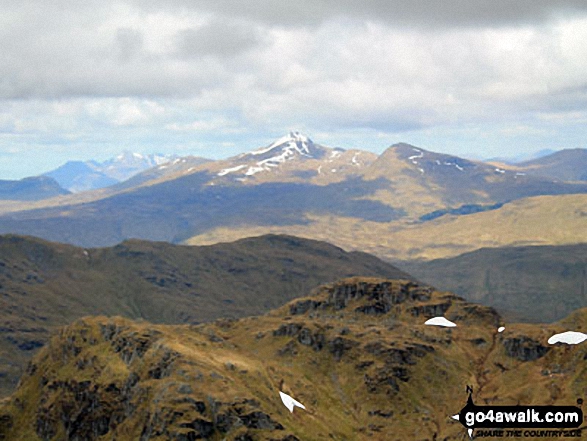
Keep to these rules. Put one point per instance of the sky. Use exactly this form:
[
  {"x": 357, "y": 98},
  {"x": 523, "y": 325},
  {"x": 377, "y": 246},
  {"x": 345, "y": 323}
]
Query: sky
[{"x": 213, "y": 78}]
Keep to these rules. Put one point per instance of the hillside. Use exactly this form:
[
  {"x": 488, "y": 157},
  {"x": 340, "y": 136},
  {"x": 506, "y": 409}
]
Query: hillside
[
  {"x": 553, "y": 279},
  {"x": 286, "y": 184},
  {"x": 542, "y": 220},
  {"x": 356, "y": 354},
  {"x": 43, "y": 284},
  {"x": 30, "y": 189},
  {"x": 564, "y": 165}
]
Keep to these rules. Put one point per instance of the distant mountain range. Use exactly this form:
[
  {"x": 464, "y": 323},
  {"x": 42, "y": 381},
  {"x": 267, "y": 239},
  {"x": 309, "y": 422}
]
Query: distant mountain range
[
  {"x": 78, "y": 176},
  {"x": 356, "y": 354},
  {"x": 44, "y": 284},
  {"x": 291, "y": 183},
  {"x": 31, "y": 189}
]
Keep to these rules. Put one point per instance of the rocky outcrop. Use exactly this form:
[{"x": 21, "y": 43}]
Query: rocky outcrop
[
  {"x": 524, "y": 348},
  {"x": 376, "y": 296}
]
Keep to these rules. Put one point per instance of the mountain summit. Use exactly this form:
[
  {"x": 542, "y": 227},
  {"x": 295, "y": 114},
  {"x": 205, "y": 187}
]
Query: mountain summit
[
  {"x": 292, "y": 146},
  {"x": 79, "y": 176}
]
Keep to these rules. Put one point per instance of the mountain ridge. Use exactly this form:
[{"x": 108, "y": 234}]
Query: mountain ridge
[
  {"x": 77, "y": 176},
  {"x": 44, "y": 285},
  {"x": 356, "y": 353},
  {"x": 33, "y": 188}
]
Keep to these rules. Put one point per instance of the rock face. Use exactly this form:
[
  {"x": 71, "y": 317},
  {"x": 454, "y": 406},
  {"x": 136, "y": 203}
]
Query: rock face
[
  {"x": 356, "y": 353},
  {"x": 524, "y": 348}
]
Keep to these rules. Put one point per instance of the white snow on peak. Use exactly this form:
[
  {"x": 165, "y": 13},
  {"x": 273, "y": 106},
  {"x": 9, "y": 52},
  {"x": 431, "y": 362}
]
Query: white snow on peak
[
  {"x": 569, "y": 337},
  {"x": 294, "y": 140},
  {"x": 440, "y": 321},
  {"x": 335, "y": 154},
  {"x": 418, "y": 156},
  {"x": 159, "y": 159},
  {"x": 226, "y": 171},
  {"x": 354, "y": 160},
  {"x": 287, "y": 148},
  {"x": 138, "y": 155},
  {"x": 499, "y": 170}
]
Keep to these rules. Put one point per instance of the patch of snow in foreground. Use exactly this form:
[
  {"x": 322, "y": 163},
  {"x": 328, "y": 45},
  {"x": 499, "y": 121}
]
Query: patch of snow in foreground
[
  {"x": 501, "y": 329},
  {"x": 289, "y": 402},
  {"x": 569, "y": 337},
  {"x": 440, "y": 321}
]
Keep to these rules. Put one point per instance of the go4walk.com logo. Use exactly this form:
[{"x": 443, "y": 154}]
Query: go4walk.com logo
[{"x": 520, "y": 421}]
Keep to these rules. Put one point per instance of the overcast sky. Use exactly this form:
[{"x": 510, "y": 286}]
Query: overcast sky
[{"x": 81, "y": 80}]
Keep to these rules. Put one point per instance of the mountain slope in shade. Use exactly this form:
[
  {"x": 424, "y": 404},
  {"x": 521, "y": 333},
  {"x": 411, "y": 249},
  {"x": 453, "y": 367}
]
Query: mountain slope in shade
[
  {"x": 30, "y": 189},
  {"x": 79, "y": 176},
  {"x": 356, "y": 354},
  {"x": 43, "y": 284},
  {"x": 552, "y": 279},
  {"x": 564, "y": 165}
]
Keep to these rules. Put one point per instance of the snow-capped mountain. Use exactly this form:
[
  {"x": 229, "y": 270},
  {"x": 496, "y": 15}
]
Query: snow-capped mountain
[
  {"x": 294, "y": 146},
  {"x": 78, "y": 176}
]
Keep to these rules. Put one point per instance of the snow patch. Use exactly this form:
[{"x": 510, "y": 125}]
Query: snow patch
[
  {"x": 226, "y": 171},
  {"x": 501, "y": 329},
  {"x": 289, "y": 402},
  {"x": 569, "y": 337},
  {"x": 440, "y": 321},
  {"x": 253, "y": 170},
  {"x": 418, "y": 156},
  {"x": 499, "y": 170}
]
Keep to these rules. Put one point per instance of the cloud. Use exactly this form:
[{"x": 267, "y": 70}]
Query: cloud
[
  {"x": 414, "y": 13},
  {"x": 168, "y": 70},
  {"x": 218, "y": 37}
]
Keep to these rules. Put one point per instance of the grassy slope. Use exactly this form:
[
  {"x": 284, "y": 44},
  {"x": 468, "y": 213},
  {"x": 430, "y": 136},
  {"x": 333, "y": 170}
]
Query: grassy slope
[
  {"x": 45, "y": 284},
  {"x": 397, "y": 379},
  {"x": 541, "y": 220}
]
